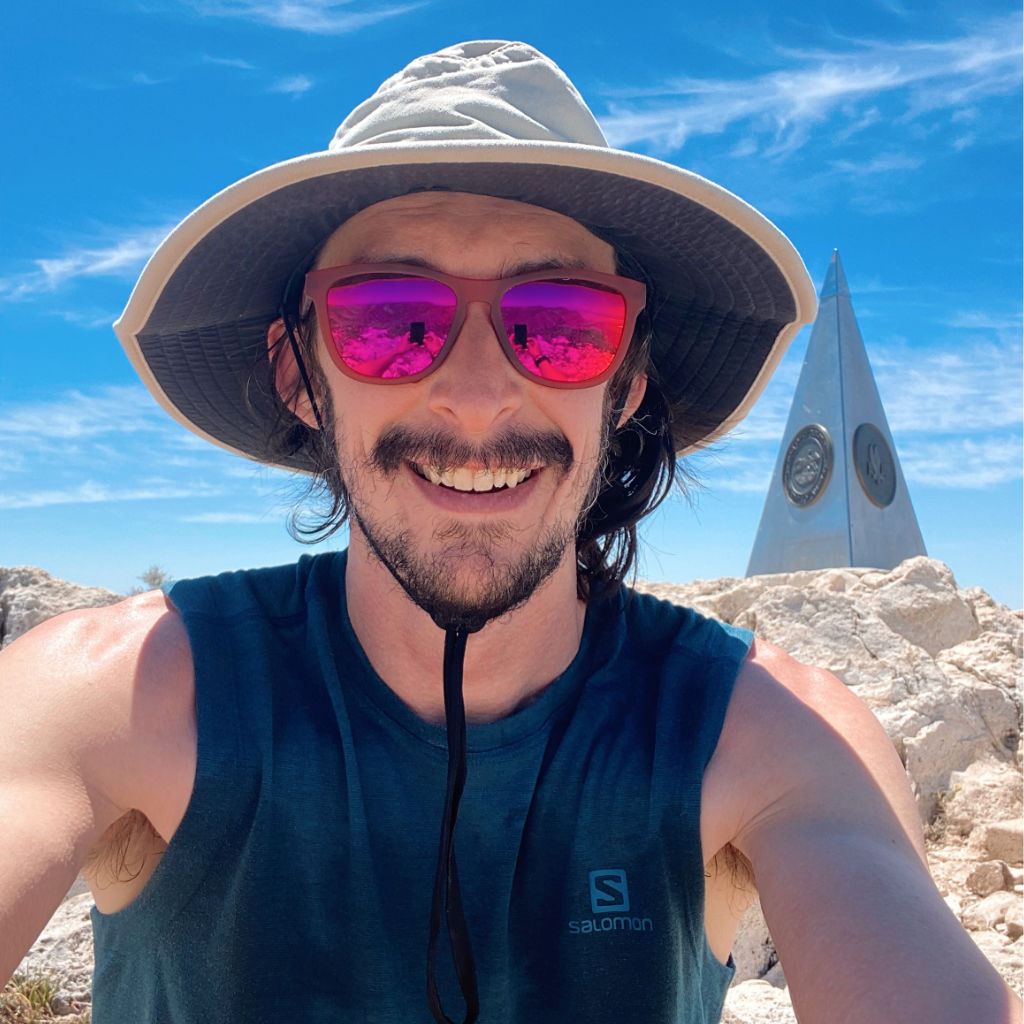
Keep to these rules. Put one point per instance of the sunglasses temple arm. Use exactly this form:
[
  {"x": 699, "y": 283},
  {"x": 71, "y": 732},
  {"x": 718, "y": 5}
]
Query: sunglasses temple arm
[{"x": 301, "y": 364}]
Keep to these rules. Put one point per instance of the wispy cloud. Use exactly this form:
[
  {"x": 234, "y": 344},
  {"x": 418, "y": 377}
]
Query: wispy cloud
[
  {"x": 294, "y": 85},
  {"x": 75, "y": 416},
  {"x": 982, "y": 320},
  {"x": 973, "y": 388},
  {"x": 91, "y": 492},
  {"x": 226, "y": 518},
  {"x": 121, "y": 257},
  {"x": 963, "y": 463},
  {"x": 854, "y": 88},
  {"x": 90, "y": 319},
  {"x": 317, "y": 17},
  {"x": 735, "y": 469},
  {"x": 229, "y": 62}
]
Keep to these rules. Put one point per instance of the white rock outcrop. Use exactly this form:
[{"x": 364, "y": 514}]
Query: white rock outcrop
[
  {"x": 29, "y": 596},
  {"x": 938, "y": 665}
]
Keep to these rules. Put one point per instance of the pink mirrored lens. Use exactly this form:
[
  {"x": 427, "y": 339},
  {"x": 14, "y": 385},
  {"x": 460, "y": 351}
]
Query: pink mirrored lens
[
  {"x": 563, "y": 331},
  {"x": 390, "y": 327}
]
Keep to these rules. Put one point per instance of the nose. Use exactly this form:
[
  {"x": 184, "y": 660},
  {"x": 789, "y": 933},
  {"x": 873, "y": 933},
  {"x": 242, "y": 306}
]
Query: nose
[{"x": 476, "y": 389}]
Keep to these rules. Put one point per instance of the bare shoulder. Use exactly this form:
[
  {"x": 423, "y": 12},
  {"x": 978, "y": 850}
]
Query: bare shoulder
[
  {"x": 108, "y": 695},
  {"x": 807, "y": 787},
  {"x": 97, "y": 727},
  {"x": 796, "y": 741}
]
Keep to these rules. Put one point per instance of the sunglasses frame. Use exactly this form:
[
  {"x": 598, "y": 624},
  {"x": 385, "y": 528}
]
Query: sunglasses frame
[{"x": 472, "y": 289}]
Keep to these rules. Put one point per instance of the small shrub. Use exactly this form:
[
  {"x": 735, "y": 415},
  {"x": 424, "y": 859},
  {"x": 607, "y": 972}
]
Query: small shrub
[
  {"x": 29, "y": 1000},
  {"x": 153, "y": 578}
]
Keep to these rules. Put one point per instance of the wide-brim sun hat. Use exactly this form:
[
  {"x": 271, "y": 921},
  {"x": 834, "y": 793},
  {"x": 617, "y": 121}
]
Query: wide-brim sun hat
[{"x": 493, "y": 118}]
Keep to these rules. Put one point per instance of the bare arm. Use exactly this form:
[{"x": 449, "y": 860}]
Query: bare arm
[
  {"x": 96, "y": 718},
  {"x": 811, "y": 791}
]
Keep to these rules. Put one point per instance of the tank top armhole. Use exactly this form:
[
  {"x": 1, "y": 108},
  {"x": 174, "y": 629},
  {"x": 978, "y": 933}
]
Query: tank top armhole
[{"x": 217, "y": 799}]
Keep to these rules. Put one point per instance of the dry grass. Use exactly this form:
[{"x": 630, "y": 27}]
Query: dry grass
[{"x": 30, "y": 1000}]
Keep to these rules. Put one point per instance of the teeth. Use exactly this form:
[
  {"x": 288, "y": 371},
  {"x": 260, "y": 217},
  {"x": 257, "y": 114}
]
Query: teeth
[{"x": 463, "y": 479}]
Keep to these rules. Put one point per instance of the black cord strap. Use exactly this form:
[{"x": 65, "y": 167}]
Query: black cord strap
[
  {"x": 301, "y": 365},
  {"x": 447, "y": 894},
  {"x": 291, "y": 293}
]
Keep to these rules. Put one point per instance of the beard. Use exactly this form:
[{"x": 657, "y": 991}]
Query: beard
[
  {"x": 500, "y": 585},
  {"x": 499, "y": 581}
]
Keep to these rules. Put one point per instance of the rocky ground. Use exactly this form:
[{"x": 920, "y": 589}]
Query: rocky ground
[{"x": 940, "y": 666}]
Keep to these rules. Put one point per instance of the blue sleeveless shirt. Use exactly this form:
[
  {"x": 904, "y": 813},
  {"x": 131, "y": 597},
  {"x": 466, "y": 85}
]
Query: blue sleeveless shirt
[{"x": 298, "y": 885}]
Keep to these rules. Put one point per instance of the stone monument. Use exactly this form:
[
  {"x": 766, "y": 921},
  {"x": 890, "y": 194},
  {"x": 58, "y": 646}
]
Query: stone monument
[{"x": 837, "y": 495}]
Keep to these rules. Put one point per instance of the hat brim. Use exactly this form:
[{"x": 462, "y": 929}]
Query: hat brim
[{"x": 731, "y": 291}]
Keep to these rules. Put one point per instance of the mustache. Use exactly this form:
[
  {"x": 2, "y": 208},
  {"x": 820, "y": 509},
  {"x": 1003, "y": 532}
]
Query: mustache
[{"x": 517, "y": 449}]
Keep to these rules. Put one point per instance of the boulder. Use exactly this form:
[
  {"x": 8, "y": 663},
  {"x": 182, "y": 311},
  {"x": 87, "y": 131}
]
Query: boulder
[
  {"x": 990, "y": 912},
  {"x": 1004, "y": 840},
  {"x": 1014, "y": 920},
  {"x": 758, "y": 1002},
  {"x": 986, "y": 791},
  {"x": 29, "y": 596},
  {"x": 753, "y": 951},
  {"x": 938, "y": 665},
  {"x": 990, "y": 876}
]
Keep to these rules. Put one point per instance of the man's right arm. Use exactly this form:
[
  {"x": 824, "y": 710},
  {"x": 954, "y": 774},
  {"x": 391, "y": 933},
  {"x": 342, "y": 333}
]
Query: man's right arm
[{"x": 96, "y": 718}]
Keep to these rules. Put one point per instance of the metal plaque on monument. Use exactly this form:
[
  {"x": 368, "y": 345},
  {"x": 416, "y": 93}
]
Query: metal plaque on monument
[{"x": 837, "y": 495}]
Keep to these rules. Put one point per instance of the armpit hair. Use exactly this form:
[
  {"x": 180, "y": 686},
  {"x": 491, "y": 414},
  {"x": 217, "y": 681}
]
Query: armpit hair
[
  {"x": 121, "y": 853},
  {"x": 737, "y": 867}
]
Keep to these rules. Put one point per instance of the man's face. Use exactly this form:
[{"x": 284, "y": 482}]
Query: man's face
[{"x": 407, "y": 453}]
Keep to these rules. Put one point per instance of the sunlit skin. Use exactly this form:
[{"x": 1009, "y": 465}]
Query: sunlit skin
[{"x": 474, "y": 395}]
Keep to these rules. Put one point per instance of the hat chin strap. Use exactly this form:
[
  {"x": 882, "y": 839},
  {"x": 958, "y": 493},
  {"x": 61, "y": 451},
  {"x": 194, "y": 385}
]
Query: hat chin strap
[
  {"x": 300, "y": 364},
  {"x": 447, "y": 894}
]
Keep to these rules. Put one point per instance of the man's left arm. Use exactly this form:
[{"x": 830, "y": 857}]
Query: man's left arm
[{"x": 808, "y": 787}]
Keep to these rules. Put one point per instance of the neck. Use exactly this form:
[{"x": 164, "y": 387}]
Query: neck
[{"x": 508, "y": 662}]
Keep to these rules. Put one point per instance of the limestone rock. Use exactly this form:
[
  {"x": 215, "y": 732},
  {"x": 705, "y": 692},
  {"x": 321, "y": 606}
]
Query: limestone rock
[
  {"x": 1014, "y": 920},
  {"x": 758, "y": 1002},
  {"x": 989, "y": 912},
  {"x": 986, "y": 791},
  {"x": 990, "y": 876},
  {"x": 1004, "y": 840},
  {"x": 29, "y": 596},
  {"x": 938, "y": 665},
  {"x": 753, "y": 951}
]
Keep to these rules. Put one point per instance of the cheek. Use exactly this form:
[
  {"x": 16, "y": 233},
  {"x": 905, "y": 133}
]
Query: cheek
[{"x": 586, "y": 428}]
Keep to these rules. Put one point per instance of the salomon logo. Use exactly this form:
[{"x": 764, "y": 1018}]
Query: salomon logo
[
  {"x": 609, "y": 892},
  {"x": 609, "y": 897}
]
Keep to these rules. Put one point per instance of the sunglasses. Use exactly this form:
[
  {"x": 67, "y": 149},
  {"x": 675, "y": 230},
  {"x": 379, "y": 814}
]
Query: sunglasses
[{"x": 390, "y": 323}]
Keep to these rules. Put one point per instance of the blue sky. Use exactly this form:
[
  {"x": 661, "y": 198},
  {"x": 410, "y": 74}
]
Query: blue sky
[{"x": 889, "y": 130}]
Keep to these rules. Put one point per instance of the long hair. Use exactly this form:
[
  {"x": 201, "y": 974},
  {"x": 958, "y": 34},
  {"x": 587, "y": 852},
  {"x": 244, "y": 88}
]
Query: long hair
[{"x": 637, "y": 473}]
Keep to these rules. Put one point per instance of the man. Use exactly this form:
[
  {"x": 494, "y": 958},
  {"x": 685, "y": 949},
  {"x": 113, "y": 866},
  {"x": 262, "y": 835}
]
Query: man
[{"x": 253, "y": 768}]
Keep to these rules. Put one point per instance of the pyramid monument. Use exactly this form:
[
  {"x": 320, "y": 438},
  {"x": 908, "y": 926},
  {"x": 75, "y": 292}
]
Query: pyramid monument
[{"x": 837, "y": 495}]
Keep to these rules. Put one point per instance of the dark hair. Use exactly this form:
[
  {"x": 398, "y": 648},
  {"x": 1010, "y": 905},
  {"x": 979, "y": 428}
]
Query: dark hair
[{"x": 638, "y": 472}]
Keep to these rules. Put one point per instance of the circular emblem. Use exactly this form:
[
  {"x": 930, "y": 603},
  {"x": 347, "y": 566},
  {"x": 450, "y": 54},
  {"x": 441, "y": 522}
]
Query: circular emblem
[
  {"x": 876, "y": 468},
  {"x": 807, "y": 466}
]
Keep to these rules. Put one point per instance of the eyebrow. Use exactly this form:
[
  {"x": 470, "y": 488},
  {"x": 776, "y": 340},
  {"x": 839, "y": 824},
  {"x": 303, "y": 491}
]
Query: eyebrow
[{"x": 508, "y": 269}]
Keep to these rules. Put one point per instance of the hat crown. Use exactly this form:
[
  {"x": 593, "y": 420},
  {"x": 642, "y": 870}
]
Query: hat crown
[{"x": 488, "y": 90}]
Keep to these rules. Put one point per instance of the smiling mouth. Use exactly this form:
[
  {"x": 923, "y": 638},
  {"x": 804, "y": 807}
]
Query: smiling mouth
[{"x": 479, "y": 480}]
